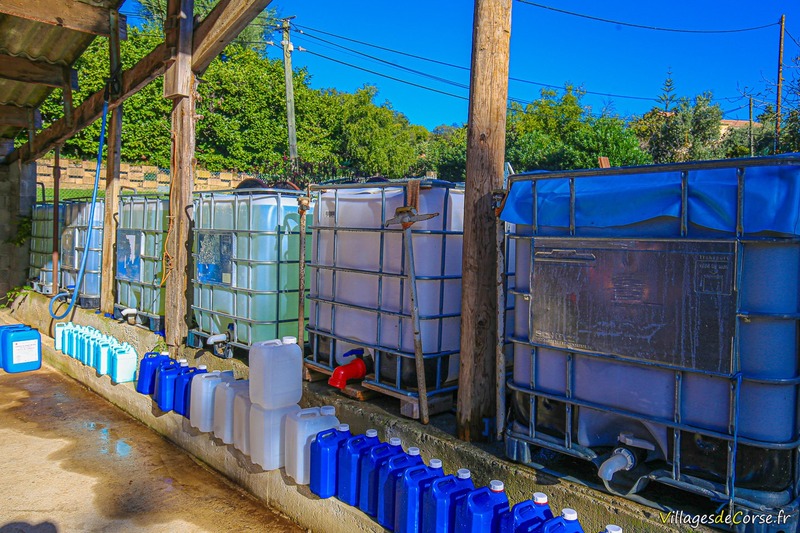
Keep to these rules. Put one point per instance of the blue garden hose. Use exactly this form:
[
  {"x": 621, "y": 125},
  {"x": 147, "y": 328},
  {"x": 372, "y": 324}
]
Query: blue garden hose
[{"x": 79, "y": 280}]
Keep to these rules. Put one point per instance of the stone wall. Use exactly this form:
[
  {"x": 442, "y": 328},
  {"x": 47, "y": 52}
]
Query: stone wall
[
  {"x": 79, "y": 175},
  {"x": 17, "y": 194}
]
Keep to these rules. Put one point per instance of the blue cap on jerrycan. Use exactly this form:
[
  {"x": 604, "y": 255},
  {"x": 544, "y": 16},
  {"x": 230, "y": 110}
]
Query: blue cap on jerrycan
[
  {"x": 440, "y": 499},
  {"x": 371, "y": 464},
  {"x": 387, "y": 484},
  {"x": 350, "y": 455},
  {"x": 323, "y": 479},
  {"x": 408, "y": 495}
]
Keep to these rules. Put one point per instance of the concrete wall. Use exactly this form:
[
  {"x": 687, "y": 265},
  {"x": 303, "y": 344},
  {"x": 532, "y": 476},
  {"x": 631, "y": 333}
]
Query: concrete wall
[
  {"x": 143, "y": 178},
  {"x": 17, "y": 194},
  {"x": 596, "y": 509}
]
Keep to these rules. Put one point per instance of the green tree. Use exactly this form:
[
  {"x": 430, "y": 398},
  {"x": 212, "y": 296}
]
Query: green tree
[
  {"x": 667, "y": 96},
  {"x": 448, "y": 152},
  {"x": 690, "y": 132}
]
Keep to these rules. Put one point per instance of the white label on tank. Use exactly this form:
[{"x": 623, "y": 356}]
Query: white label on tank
[{"x": 24, "y": 351}]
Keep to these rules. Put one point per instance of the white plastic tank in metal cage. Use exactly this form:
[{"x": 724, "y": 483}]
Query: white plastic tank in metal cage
[
  {"x": 366, "y": 301},
  {"x": 141, "y": 236},
  {"x": 246, "y": 273},
  {"x": 74, "y": 245},
  {"x": 656, "y": 329}
]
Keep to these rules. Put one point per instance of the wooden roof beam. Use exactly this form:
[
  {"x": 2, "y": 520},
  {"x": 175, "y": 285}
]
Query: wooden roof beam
[
  {"x": 71, "y": 14},
  {"x": 28, "y": 71},
  {"x": 19, "y": 117},
  {"x": 220, "y": 27}
]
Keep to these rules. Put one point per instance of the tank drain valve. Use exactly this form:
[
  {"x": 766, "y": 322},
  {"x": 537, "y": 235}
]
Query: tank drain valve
[
  {"x": 129, "y": 314},
  {"x": 621, "y": 459}
]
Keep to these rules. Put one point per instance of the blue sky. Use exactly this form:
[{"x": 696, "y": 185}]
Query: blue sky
[{"x": 546, "y": 47}]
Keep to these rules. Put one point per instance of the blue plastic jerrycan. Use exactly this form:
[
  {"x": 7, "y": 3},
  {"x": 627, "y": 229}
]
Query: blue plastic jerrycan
[
  {"x": 480, "y": 511},
  {"x": 371, "y": 464},
  {"x": 146, "y": 383},
  {"x": 164, "y": 393},
  {"x": 20, "y": 349},
  {"x": 183, "y": 389},
  {"x": 566, "y": 523},
  {"x": 3, "y": 330},
  {"x": 527, "y": 516},
  {"x": 350, "y": 455},
  {"x": 387, "y": 484},
  {"x": 323, "y": 479},
  {"x": 408, "y": 495},
  {"x": 440, "y": 499}
]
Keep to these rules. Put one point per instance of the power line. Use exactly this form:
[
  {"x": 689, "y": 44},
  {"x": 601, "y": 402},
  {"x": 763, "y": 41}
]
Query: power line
[
  {"x": 642, "y": 26},
  {"x": 792, "y": 38}
]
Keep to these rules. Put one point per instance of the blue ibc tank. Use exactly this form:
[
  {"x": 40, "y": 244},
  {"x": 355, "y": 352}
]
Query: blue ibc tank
[
  {"x": 371, "y": 464},
  {"x": 350, "y": 455},
  {"x": 527, "y": 516},
  {"x": 146, "y": 383},
  {"x": 325, "y": 460},
  {"x": 387, "y": 484},
  {"x": 566, "y": 523},
  {"x": 408, "y": 495},
  {"x": 480, "y": 511},
  {"x": 439, "y": 501},
  {"x": 20, "y": 349}
]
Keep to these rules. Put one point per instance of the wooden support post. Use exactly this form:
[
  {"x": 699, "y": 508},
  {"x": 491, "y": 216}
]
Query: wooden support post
[
  {"x": 180, "y": 193},
  {"x": 485, "y": 155},
  {"x": 114, "y": 144}
]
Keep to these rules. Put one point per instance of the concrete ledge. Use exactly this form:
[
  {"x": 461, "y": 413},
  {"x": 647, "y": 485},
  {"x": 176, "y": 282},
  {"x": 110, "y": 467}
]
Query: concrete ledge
[{"x": 595, "y": 509}]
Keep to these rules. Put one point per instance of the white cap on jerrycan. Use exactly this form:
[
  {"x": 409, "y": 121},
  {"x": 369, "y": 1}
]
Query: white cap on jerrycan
[
  {"x": 343, "y": 427},
  {"x": 570, "y": 515},
  {"x": 395, "y": 441},
  {"x": 539, "y": 498},
  {"x": 202, "y": 367},
  {"x": 372, "y": 433},
  {"x": 611, "y": 528},
  {"x": 496, "y": 486},
  {"x": 327, "y": 410},
  {"x": 436, "y": 463},
  {"x": 463, "y": 473},
  {"x": 413, "y": 451},
  {"x": 288, "y": 340}
]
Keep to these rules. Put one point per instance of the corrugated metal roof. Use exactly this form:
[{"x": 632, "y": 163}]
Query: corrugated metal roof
[{"x": 41, "y": 42}]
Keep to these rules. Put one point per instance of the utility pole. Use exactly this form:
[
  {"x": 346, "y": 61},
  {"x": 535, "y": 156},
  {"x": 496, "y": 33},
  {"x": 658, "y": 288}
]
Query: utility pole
[
  {"x": 486, "y": 133},
  {"x": 750, "y": 129},
  {"x": 780, "y": 86},
  {"x": 289, "y": 80}
]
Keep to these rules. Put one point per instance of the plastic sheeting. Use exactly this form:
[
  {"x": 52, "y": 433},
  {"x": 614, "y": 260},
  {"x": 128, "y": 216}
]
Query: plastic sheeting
[{"x": 771, "y": 199}]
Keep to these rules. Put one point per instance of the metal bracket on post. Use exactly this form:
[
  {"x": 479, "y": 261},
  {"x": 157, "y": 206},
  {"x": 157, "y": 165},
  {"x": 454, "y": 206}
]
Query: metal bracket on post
[
  {"x": 406, "y": 217},
  {"x": 498, "y": 199}
]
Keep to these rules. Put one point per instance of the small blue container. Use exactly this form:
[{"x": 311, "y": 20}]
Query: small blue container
[
  {"x": 480, "y": 511},
  {"x": 370, "y": 467},
  {"x": 527, "y": 516},
  {"x": 20, "y": 349},
  {"x": 146, "y": 383},
  {"x": 566, "y": 523},
  {"x": 440, "y": 499},
  {"x": 4, "y": 329},
  {"x": 408, "y": 498},
  {"x": 164, "y": 394},
  {"x": 387, "y": 484},
  {"x": 350, "y": 455},
  {"x": 324, "y": 460},
  {"x": 183, "y": 389}
]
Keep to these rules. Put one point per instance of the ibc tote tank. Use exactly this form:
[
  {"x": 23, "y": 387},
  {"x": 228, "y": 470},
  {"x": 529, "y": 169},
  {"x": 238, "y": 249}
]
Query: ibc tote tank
[
  {"x": 246, "y": 255},
  {"x": 657, "y": 312},
  {"x": 360, "y": 285},
  {"x": 42, "y": 243},
  {"x": 74, "y": 245},
  {"x": 141, "y": 236}
]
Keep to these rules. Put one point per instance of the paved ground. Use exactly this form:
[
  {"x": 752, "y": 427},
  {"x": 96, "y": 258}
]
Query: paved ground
[{"x": 71, "y": 461}]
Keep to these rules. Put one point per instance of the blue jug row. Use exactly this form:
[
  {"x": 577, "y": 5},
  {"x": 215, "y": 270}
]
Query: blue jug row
[
  {"x": 168, "y": 381},
  {"x": 404, "y": 494},
  {"x": 20, "y": 348},
  {"x": 104, "y": 353}
]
